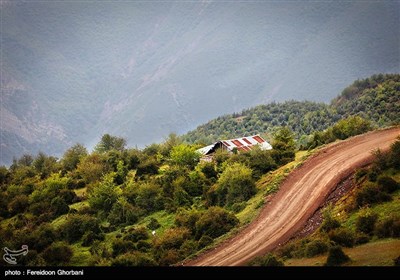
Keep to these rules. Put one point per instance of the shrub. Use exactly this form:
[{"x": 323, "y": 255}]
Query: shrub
[
  {"x": 239, "y": 206},
  {"x": 188, "y": 247},
  {"x": 329, "y": 223},
  {"x": 172, "y": 239},
  {"x": 134, "y": 259},
  {"x": 58, "y": 206},
  {"x": 57, "y": 254},
  {"x": 397, "y": 261},
  {"x": 90, "y": 237},
  {"x": 143, "y": 246},
  {"x": 137, "y": 233},
  {"x": 121, "y": 246},
  {"x": 215, "y": 222},
  {"x": 389, "y": 227},
  {"x": 362, "y": 238},
  {"x": 235, "y": 184},
  {"x": 387, "y": 184},
  {"x": 336, "y": 256},
  {"x": 77, "y": 225},
  {"x": 370, "y": 194},
  {"x": 316, "y": 247},
  {"x": 366, "y": 221},
  {"x": 342, "y": 236},
  {"x": 18, "y": 205},
  {"x": 153, "y": 224},
  {"x": 205, "y": 240},
  {"x": 267, "y": 260}
]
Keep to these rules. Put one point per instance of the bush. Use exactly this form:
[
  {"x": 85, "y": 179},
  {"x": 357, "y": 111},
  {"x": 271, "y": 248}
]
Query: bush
[
  {"x": 77, "y": 225},
  {"x": 239, "y": 206},
  {"x": 369, "y": 195},
  {"x": 134, "y": 259},
  {"x": 57, "y": 254},
  {"x": 387, "y": 184},
  {"x": 137, "y": 233},
  {"x": 58, "y": 206},
  {"x": 235, "y": 184},
  {"x": 143, "y": 246},
  {"x": 366, "y": 221},
  {"x": 153, "y": 224},
  {"x": 215, "y": 222},
  {"x": 397, "y": 261},
  {"x": 336, "y": 256},
  {"x": 90, "y": 237},
  {"x": 188, "y": 247},
  {"x": 342, "y": 236},
  {"x": 268, "y": 260},
  {"x": 121, "y": 246},
  {"x": 173, "y": 238},
  {"x": 329, "y": 223},
  {"x": 362, "y": 238},
  {"x": 205, "y": 240},
  {"x": 389, "y": 227},
  {"x": 18, "y": 205},
  {"x": 316, "y": 247}
]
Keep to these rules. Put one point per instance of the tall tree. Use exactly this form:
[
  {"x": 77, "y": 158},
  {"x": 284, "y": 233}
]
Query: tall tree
[{"x": 109, "y": 142}]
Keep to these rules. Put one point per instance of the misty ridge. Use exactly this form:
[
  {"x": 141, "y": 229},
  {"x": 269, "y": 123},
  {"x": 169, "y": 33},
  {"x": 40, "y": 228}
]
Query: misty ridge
[{"x": 73, "y": 71}]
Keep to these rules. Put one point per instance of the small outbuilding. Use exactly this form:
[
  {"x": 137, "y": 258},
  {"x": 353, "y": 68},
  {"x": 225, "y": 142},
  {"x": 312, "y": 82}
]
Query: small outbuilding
[{"x": 242, "y": 144}]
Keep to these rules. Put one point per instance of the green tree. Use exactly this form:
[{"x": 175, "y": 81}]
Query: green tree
[
  {"x": 336, "y": 256},
  {"x": 108, "y": 143},
  {"x": 185, "y": 155},
  {"x": 103, "y": 196},
  {"x": 235, "y": 184},
  {"x": 72, "y": 157}
]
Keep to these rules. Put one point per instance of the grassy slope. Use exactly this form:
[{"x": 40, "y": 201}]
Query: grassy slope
[{"x": 377, "y": 253}]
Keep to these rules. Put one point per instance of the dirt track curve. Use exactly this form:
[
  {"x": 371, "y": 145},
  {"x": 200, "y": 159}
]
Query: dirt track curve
[{"x": 300, "y": 195}]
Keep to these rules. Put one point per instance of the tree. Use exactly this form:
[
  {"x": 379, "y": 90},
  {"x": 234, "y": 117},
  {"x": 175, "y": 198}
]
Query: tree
[
  {"x": 336, "y": 256},
  {"x": 235, "y": 184},
  {"x": 73, "y": 156},
  {"x": 284, "y": 146},
  {"x": 108, "y": 143},
  {"x": 148, "y": 197},
  {"x": 103, "y": 196},
  {"x": 91, "y": 168},
  {"x": 185, "y": 155}
]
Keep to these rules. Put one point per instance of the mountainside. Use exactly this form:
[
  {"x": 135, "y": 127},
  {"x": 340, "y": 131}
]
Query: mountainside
[
  {"x": 376, "y": 99},
  {"x": 71, "y": 71}
]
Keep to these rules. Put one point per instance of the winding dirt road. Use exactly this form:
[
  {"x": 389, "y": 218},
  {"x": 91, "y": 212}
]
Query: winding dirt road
[{"x": 300, "y": 195}]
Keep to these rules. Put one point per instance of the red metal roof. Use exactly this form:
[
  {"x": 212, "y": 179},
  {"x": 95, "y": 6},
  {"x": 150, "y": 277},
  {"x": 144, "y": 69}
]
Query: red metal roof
[
  {"x": 258, "y": 139},
  {"x": 237, "y": 143},
  {"x": 247, "y": 141}
]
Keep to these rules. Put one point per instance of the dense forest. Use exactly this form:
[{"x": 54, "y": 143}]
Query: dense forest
[
  {"x": 376, "y": 99},
  {"x": 159, "y": 205}
]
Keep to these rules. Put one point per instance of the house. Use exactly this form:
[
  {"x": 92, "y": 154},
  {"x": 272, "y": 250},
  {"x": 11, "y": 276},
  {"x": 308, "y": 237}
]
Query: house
[{"x": 242, "y": 144}]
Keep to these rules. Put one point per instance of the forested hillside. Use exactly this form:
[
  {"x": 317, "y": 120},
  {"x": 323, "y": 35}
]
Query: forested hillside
[
  {"x": 72, "y": 71},
  {"x": 117, "y": 205},
  {"x": 376, "y": 99}
]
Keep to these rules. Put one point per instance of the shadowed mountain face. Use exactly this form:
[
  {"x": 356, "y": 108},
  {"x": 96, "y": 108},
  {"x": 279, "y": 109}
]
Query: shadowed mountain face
[{"x": 72, "y": 71}]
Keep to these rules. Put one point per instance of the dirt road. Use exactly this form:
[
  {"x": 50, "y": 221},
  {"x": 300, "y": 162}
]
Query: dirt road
[{"x": 300, "y": 195}]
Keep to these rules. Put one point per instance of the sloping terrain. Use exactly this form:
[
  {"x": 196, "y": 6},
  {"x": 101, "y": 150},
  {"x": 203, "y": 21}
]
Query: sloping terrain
[
  {"x": 74, "y": 70},
  {"x": 299, "y": 197}
]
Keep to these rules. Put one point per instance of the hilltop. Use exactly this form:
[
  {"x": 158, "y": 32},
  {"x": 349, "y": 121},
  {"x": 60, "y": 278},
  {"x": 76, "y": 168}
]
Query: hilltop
[{"x": 376, "y": 99}]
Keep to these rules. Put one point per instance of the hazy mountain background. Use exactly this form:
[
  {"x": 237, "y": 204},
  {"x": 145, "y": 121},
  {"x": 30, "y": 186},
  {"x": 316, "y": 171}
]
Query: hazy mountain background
[{"x": 72, "y": 71}]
